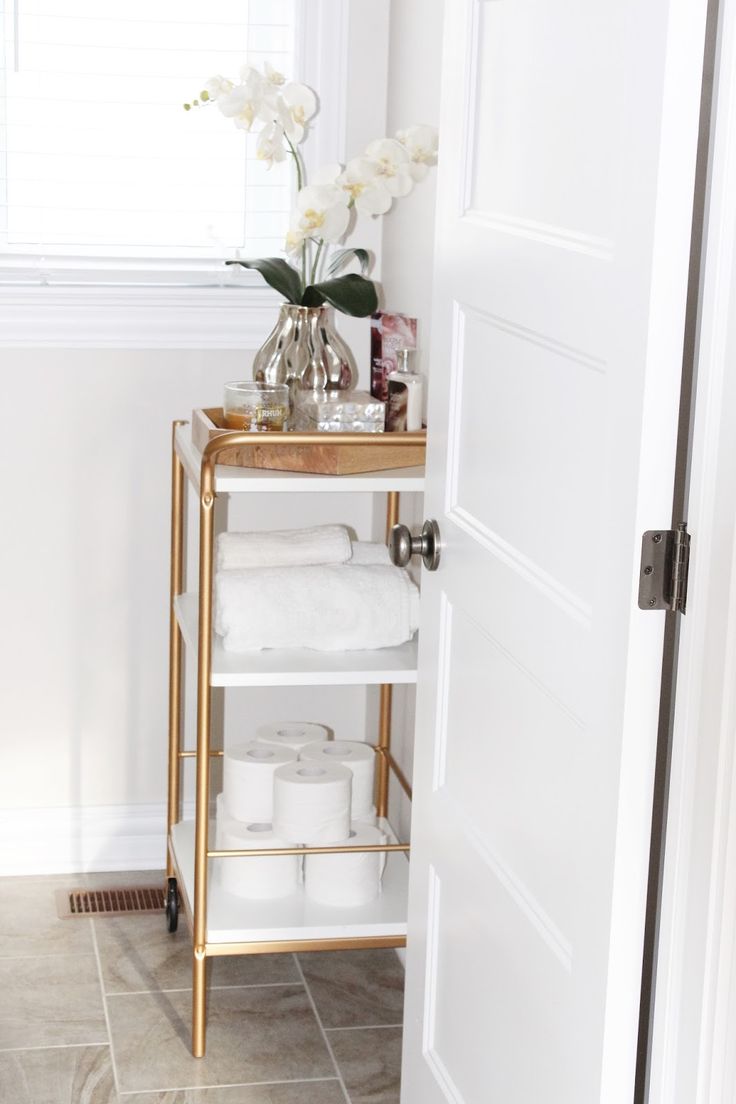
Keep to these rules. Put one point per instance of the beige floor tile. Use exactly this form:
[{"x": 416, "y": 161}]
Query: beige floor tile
[
  {"x": 253, "y": 1035},
  {"x": 29, "y": 924},
  {"x": 370, "y": 1063},
  {"x": 51, "y": 1001},
  {"x": 59, "y": 1075},
  {"x": 138, "y": 954},
  {"x": 355, "y": 988},
  {"x": 298, "y": 1092}
]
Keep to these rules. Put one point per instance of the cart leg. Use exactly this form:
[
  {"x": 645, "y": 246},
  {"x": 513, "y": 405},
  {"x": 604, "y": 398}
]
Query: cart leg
[
  {"x": 204, "y": 696},
  {"x": 199, "y": 1002},
  {"x": 175, "y": 642},
  {"x": 384, "y": 714},
  {"x": 384, "y": 741}
]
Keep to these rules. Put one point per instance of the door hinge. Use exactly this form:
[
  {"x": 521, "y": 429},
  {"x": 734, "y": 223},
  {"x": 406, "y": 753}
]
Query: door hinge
[{"x": 665, "y": 559}]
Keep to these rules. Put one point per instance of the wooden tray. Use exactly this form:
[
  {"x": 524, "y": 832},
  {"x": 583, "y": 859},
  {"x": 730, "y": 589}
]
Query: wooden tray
[{"x": 378, "y": 453}]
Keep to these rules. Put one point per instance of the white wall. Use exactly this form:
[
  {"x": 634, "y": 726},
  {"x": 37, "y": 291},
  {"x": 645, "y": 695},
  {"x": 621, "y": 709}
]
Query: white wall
[
  {"x": 413, "y": 97},
  {"x": 408, "y": 256},
  {"x": 84, "y": 565}
]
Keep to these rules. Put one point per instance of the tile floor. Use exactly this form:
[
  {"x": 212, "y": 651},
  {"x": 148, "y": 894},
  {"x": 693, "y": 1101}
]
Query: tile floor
[{"x": 98, "y": 1012}]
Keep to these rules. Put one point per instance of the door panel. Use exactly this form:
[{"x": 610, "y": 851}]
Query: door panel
[
  {"x": 568, "y": 143},
  {"x": 517, "y": 168},
  {"x": 482, "y": 756},
  {"x": 464, "y": 924},
  {"x": 495, "y": 482}
]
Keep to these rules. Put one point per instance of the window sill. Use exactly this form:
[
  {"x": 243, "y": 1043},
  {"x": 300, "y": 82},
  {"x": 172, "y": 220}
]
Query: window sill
[{"x": 130, "y": 317}]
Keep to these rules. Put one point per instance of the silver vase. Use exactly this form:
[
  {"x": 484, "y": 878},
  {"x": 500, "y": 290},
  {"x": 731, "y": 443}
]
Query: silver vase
[{"x": 305, "y": 351}]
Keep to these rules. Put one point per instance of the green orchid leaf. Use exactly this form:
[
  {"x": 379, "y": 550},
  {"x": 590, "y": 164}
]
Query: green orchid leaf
[
  {"x": 351, "y": 294},
  {"x": 279, "y": 274},
  {"x": 343, "y": 257},
  {"x": 312, "y": 297}
]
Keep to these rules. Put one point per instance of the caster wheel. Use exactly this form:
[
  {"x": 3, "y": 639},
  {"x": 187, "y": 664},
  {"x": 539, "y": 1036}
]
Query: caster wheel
[{"x": 172, "y": 905}]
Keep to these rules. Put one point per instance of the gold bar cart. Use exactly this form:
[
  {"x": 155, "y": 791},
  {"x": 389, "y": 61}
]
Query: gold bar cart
[{"x": 256, "y": 930}]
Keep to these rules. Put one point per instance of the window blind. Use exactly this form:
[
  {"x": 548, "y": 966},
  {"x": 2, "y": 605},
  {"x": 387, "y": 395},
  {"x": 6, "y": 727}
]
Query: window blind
[{"x": 100, "y": 166}]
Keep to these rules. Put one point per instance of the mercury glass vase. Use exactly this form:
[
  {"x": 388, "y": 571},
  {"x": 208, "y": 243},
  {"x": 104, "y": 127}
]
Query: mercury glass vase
[{"x": 305, "y": 351}]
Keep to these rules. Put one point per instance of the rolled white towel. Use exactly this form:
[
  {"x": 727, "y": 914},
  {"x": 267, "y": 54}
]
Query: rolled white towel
[
  {"x": 330, "y": 608},
  {"x": 322, "y": 544},
  {"x": 369, "y": 552}
]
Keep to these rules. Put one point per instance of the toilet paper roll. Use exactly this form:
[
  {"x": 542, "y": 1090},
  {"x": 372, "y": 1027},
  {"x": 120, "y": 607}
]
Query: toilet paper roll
[
  {"x": 369, "y": 817},
  {"x": 292, "y": 734},
  {"x": 247, "y": 779},
  {"x": 347, "y": 880},
  {"x": 311, "y": 802},
  {"x": 262, "y": 878},
  {"x": 359, "y": 758}
]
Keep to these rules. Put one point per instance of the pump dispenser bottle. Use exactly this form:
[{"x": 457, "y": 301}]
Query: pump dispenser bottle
[{"x": 405, "y": 390}]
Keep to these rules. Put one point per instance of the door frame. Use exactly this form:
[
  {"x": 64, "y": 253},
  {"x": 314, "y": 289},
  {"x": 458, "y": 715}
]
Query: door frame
[{"x": 693, "y": 1057}]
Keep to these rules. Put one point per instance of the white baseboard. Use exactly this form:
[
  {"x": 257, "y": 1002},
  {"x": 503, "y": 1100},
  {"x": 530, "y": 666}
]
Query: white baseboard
[{"x": 77, "y": 840}]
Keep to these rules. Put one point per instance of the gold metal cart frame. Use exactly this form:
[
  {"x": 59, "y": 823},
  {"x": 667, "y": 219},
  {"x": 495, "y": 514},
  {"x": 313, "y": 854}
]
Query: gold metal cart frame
[{"x": 197, "y": 919}]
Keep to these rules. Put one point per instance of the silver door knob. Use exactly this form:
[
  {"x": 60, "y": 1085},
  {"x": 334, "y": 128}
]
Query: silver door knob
[{"x": 402, "y": 545}]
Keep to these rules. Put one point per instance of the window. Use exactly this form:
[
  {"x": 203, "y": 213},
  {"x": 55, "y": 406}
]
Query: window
[
  {"x": 104, "y": 178},
  {"x": 117, "y": 207}
]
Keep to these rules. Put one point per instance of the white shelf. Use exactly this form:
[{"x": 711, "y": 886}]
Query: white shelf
[
  {"x": 255, "y": 480},
  {"x": 298, "y": 666},
  {"x": 236, "y": 920}
]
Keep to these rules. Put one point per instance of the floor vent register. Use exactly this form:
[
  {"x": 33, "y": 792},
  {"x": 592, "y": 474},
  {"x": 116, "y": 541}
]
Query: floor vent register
[{"x": 108, "y": 902}]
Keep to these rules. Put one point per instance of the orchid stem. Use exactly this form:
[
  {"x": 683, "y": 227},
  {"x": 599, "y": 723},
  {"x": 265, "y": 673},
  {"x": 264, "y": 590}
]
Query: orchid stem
[
  {"x": 320, "y": 246},
  {"x": 299, "y": 185},
  {"x": 304, "y": 267}
]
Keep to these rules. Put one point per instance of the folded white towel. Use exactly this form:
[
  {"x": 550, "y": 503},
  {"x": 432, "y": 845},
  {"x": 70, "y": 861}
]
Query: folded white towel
[
  {"x": 321, "y": 544},
  {"x": 369, "y": 552},
  {"x": 329, "y": 608}
]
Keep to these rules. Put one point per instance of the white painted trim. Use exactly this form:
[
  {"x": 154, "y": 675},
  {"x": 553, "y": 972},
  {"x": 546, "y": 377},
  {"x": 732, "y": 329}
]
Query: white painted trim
[
  {"x": 694, "y": 1038},
  {"x": 136, "y": 317},
  {"x": 323, "y": 46},
  {"x": 77, "y": 840}
]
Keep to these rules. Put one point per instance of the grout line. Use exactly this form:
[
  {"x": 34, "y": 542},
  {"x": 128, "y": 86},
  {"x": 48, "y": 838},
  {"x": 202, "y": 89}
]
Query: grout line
[
  {"x": 322, "y": 1030},
  {"x": 51, "y": 1046},
  {"x": 231, "y": 1085},
  {"x": 366, "y": 1027},
  {"x": 56, "y": 954},
  {"x": 105, "y": 1009},
  {"x": 210, "y": 988}
]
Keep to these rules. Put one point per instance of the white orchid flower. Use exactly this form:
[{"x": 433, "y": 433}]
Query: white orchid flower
[
  {"x": 270, "y": 144},
  {"x": 279, "y": 110},
  {"x": 393, "y": 165},
  {"x": 269, "y": 97},
  {"x": 322, "y": 212},
  {"x": 240, "y": 105},
  {"x": 272, "y": 75},
  {"x": 218, "y": 86},
  {"x": 252, "y": 78},
  {"x": 362, "y": 183},
  {"x": 263, "y": 92},
  {"x": 299, "y": 105},
  {"x": 269, "y": 110},
  {"x": 420, "y": 142},
  {"x": 253, "y": 99},
  {"x": 295, "y": 239},
  {"x": 328, "y": 175}
]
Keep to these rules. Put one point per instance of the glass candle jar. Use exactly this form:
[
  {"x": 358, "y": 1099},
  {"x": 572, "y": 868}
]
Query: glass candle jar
[{"x": 256, "y": 407}]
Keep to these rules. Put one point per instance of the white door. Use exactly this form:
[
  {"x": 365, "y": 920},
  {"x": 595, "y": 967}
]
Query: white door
[{"x": 568, "y": 143}]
